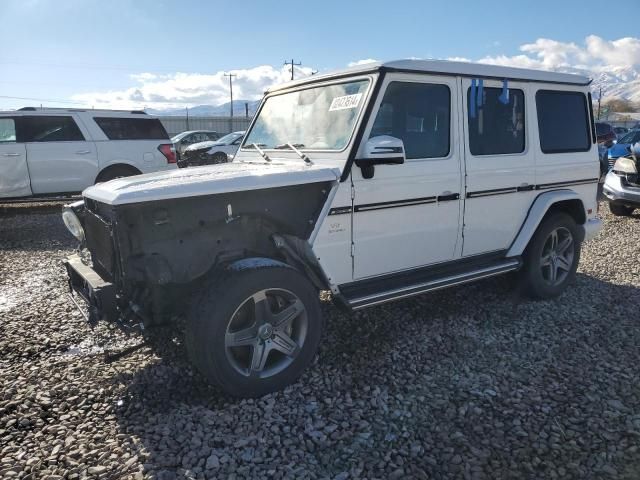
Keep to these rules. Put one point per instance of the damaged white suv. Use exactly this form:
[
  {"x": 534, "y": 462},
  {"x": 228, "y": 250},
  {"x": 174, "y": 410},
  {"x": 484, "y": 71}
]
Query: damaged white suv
[{"x": 376, "y": 183}]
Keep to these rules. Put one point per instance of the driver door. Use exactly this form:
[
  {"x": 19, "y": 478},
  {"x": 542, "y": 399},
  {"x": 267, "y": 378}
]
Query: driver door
[{"x": 408, "y": 215}]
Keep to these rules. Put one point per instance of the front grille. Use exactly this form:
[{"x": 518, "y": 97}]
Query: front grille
[
  {"x": 99, "y": 236},
  {"x": 612, "y": 162}
]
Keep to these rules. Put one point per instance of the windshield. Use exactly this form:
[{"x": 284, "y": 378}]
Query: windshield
[
  {"x": 229, "y": 137},
  {"x": 602, "y": 128},
  {"x": 178, "y": 137},
  {"x": 631, "y": 137},
  {"x": 321, "y": 118}
]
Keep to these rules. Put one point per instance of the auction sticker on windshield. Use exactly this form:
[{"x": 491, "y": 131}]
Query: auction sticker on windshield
[{"x": 345, "y": 102}]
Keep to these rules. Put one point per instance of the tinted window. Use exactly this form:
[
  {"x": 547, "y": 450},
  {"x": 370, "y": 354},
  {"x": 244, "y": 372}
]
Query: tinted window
[
  {"x": 213, "y": 136},
  {"x": 49, "y": 129},
  {"x": 603, "y": 128},
  {"x": 496, "y": 124},
  {"x": 418, "y": 114},
  {"x": 7, "y": 130},
  {"x": 563, "y": 121},
  {"x": 132, "y": 128}
]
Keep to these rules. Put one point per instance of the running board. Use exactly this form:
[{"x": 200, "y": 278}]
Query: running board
[{"x": 357, "y": 302}]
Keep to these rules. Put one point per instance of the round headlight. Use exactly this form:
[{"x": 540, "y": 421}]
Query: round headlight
[{"x": 72, "y": 222}]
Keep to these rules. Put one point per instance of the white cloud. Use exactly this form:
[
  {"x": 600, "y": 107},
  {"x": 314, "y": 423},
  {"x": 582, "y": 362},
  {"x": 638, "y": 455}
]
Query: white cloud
[
  {"x": 189, "y": 89},
  {"x": 361, "y": 62}
]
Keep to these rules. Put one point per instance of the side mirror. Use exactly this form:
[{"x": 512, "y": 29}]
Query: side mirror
[{"x": 381, "y": 150}]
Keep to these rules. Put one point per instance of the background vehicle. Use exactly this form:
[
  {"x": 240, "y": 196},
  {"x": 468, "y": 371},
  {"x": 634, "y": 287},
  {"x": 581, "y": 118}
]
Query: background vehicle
[
  {"x": 377, "y": 183},
  {"x": 58, "y": 151},
  {"x": 184, "y": 139},
  {"x": 210, "y": 153},
  {"x": 605, "y": 134},
  {"x": 622, "y": 185},
  {"x": 621, "y": 148}
]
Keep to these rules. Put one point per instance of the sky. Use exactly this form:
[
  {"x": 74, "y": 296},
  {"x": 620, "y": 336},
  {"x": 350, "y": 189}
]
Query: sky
[{"x": 168, "y": 54}]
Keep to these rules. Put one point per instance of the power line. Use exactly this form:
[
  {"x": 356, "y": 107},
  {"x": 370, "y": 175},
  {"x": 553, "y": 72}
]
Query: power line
[
  {"x": 293, "y": 64},
  {"x": 43, "y": 100}
]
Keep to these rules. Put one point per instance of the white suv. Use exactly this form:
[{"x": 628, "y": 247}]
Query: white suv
[
  {"x": 58, "y": 151},
  {"x": 376, "y": 183}
]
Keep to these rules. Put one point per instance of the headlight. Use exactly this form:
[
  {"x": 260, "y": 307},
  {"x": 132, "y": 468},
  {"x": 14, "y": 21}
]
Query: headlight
[
  {"x": 625, "y": 165},
  {"x": 72, "y": 222}
]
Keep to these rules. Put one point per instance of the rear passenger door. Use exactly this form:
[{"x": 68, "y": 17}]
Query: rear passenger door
[
  {"x": 59, "y": 155},
  {"x": 500, "y": 166},
  {"x": 407, "y": 215}
]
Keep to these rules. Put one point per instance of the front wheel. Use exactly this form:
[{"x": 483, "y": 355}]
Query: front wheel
[
  {"x": 219, "y": 157},
  {"x": 552, "y": 256},
  {"x": 620, "y": 210},
  {"x": 254, "y": 331}
]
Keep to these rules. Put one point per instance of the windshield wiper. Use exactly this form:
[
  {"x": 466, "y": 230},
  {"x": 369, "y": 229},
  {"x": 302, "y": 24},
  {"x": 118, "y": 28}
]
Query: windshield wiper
[
  {"x": 294, "y": 147},
  {"x": 260, "y": 151}
]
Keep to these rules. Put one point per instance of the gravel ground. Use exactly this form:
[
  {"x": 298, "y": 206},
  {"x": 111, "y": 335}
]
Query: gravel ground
[{"x": 466, "y": 383}]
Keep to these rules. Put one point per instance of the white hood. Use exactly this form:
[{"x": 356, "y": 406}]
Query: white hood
[{"x": 208, "y": 180}]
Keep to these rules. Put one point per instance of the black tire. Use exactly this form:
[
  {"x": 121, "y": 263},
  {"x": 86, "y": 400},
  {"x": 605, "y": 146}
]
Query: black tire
[
  {"x": 116, "y": 171},
  {"x": 216, "y": 306},
  {"x": 620, "y": 210},
  {"x": 536, "y": 275}
]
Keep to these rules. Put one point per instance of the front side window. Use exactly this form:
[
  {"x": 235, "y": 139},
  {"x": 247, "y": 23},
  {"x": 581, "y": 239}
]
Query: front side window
[
  {"x": 50, "y": 129},
  {"x": 496, "y": 121},
  {"x": 321, "y": 118},
  {"x": 563, "y": 121},
  {"x": 7, "y": 130},
  {"x": 418, "y": 114},
  {"x": 132, "y": 128}
]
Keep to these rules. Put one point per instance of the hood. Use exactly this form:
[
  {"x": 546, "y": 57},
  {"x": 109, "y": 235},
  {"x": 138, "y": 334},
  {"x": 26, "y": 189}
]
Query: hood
[
  {"x": 208, "y": 180},
  {"x": 202, "y": 145},
  {"x": 619, "y": 150}
]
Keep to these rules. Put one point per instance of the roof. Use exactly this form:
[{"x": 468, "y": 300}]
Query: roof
[
  {"x": 28, "y": 110},
  {"x": 446, "y": 67}
]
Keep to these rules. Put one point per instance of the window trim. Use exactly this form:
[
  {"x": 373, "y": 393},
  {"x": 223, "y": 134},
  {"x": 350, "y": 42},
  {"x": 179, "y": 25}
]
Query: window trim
[
  {"x": 381, "y": 94},
  {"x": 525, "y": 149},
  {"x": 586, "y": 116}
]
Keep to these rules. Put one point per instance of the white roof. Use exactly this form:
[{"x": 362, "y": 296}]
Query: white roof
[{"x": 466, "y": 69}]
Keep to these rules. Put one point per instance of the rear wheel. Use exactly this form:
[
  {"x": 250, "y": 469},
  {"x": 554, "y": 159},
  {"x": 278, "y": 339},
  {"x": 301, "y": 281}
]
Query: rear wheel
[
  {"x": 254, "y": 331},
  {"x": 116, "y": 171},
  {"x": 552, "y": 256},
  {"x": 620, "y": 210}
]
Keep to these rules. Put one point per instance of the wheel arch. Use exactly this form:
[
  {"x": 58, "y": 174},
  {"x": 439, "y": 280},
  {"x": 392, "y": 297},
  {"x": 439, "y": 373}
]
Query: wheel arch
[
  {"x": 116, "y": 165},
  {"x": 545, "y": 204}
]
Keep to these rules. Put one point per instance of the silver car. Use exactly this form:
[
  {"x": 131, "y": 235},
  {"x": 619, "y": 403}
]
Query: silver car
[{"x": 622, "y": 184}]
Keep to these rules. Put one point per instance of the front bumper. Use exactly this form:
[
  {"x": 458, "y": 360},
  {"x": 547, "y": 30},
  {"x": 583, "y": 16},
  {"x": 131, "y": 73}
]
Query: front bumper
[
  {"x": 99, "y": 295},
  {"x": 591, "y": 228},
  {"x": 617, "y": 192}
]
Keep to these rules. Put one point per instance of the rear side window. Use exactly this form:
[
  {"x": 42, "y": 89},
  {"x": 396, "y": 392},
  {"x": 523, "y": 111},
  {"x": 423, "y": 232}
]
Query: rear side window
[
  {"x": 7, "y": 130},
  {"x": 417, "y": 113},
  {"x": 496, "y": 122},
  {"x": 132, "y": 128},
  {"x": 563, "y": 121},
  {"x": 49, "y": 129}
]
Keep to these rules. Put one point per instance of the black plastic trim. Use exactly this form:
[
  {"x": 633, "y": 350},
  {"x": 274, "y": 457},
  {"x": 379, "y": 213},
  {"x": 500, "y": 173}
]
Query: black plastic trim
[
  {"x": 407, "y": 202},
  {"x": 529, "y": 188}
]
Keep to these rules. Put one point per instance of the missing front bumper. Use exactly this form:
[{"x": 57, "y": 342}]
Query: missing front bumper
[{"x": 97, "y": 293}]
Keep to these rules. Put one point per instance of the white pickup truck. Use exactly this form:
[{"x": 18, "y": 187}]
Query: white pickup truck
[{"x": 48, "y": 152}]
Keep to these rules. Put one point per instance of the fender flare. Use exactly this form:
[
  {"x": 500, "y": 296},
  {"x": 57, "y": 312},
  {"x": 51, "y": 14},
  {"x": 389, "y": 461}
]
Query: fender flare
[
  {"x": 537, "y": 211},
  {"x": 253, "y": 263}
]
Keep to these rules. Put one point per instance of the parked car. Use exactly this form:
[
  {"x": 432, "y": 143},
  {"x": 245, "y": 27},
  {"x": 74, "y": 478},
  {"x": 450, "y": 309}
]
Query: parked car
[
  {"x": 185, "y": 139},
  {"x": 210, "y": 153},
  {"x": 605, "y": 134},
  {"x": 622, "y": 185},
  {"x": 47, "y": 152},
  {"x": 621, "y": 148},
  {"x": 619, "y": 131},
  {"x": 363, "y": 183}
]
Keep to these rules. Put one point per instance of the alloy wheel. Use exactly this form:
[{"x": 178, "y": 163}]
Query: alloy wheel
[{"x": 557, "y": 256}]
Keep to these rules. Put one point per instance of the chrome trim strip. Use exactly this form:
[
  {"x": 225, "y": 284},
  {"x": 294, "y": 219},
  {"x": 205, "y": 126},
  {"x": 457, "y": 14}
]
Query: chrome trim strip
[{"x": 437, "y": 284}]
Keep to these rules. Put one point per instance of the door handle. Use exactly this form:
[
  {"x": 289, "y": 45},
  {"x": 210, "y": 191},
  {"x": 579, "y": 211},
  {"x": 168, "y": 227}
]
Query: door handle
[
  {"x": 11, "y": 154},
  {"x": 83, "y": 152}
]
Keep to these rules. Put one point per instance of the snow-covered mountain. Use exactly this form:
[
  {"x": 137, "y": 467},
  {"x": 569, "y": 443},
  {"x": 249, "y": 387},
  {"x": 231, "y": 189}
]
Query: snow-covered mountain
[{"x": 210, "y": 110}]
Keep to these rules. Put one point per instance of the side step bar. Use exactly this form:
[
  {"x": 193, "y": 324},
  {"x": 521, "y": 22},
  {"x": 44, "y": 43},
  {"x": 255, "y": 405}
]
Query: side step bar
[{"x": 377, "y": 298}]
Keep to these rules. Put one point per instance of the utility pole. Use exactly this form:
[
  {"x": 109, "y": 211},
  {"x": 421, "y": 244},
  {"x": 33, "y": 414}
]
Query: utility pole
[
  {"x": 293, "y": 64},
  {"x": 599, "y": 100},
  {"x": 231, "y": 75},
  {"x": 187, "y": 109}
]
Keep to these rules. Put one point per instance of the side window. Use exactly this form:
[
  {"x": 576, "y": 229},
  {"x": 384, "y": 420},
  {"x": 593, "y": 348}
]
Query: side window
[
  {"x": 49, "y": 129},
  {"x": 419, "y": 114},
  {"x": 563, "y": 121},
  {"x": 7, "y": 130},
  {"x": 213, "y": 136},
  {"x": 132, "y": 128},
  {"x": 496, "y": 124}
]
